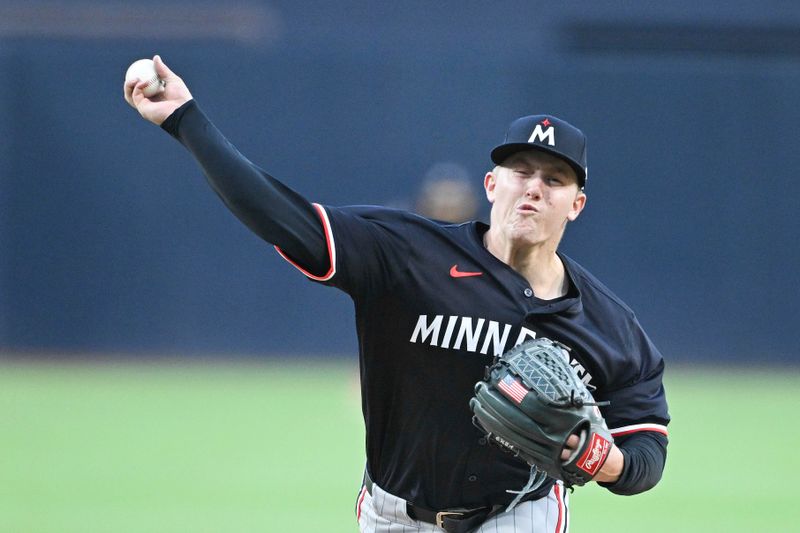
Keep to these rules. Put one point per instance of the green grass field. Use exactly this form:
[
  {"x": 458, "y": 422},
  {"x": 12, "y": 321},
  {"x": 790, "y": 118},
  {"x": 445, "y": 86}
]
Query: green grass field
[{"x": 278, "y": 447}]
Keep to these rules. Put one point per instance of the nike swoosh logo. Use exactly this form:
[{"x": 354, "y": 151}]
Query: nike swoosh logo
[{"x": 454, "y": 272}]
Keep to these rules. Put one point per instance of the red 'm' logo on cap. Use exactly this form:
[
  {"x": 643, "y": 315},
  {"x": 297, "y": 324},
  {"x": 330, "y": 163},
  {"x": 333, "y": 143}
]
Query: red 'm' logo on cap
[{"x": 539, "y": 135}]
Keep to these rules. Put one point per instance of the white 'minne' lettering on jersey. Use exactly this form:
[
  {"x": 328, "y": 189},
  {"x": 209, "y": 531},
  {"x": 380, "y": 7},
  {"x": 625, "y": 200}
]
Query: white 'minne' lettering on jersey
[
  {"x": 468, "y": 333},
  {"x": 524, "y": 334},
  {"x": 471, "y": 336},
  {"x": 448, "y": 332},
  {"x": 426, "y": 331},
  {"x": 494, "y": 339}
]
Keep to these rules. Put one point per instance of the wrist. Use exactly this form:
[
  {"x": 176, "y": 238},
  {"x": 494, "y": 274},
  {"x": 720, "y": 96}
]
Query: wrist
[{"x": 612, "y": 468}]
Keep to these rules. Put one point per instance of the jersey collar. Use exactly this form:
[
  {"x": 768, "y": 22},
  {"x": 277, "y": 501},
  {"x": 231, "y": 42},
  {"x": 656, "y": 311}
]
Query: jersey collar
[{"x": 570, "y": 303}]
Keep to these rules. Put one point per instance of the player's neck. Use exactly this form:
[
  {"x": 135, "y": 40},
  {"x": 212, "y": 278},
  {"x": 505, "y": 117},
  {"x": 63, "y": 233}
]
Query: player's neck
[{"x": 538, "y": 263}]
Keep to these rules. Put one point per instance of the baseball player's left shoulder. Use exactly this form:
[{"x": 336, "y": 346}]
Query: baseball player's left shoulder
[
  {"x": 628, "y": 352},
  {"x": 593, "y": 290}
]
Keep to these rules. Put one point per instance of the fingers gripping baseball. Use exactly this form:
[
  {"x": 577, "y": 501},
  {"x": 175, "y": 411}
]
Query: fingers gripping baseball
[{"x": 156, "y": 108}]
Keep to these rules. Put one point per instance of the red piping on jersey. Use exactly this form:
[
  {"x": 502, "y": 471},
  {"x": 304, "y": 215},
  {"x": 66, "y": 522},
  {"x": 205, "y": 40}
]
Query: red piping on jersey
[
  {"x": 557, "y": 491},
  {"x": 627, "y": 430},
  {"x": 360, "y": 501},
  {"x": 326, "y": 229}
]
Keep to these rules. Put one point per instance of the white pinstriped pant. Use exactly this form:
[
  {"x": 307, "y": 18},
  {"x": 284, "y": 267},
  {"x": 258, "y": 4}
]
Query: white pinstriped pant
[{"x": 381, "y": 512}]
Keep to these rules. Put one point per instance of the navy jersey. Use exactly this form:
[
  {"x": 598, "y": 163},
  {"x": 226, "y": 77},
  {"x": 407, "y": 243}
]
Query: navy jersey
[{"x": 433, "y": 307}]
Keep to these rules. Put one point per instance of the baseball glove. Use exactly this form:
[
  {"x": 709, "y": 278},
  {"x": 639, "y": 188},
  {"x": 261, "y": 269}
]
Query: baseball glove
[{"x": 531, "y": 401}]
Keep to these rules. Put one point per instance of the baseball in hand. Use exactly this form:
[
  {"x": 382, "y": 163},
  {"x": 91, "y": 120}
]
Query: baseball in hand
[{"x": 145, "y": 70}]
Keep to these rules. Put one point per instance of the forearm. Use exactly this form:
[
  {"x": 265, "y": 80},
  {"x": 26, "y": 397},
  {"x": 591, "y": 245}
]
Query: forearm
[
  {"x": 269, "y": 208},
  {"x": 639, "y": 465}
]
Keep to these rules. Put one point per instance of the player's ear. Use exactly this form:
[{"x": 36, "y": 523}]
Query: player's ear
[
  {"x": 577, "y": 205},
  {"x": 489, "y": 183}
]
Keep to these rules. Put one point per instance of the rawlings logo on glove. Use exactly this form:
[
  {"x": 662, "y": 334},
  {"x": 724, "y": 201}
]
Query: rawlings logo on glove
[{"x": 595, "y": 455}]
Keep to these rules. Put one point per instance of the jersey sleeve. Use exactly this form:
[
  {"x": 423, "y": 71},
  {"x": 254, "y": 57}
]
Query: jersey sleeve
[
  {"x": 637, "y": 400},
  {"x": 368, "y": 248}
]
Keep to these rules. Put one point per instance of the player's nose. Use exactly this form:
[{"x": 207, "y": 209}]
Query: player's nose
[{"x": 533, "y": 187}]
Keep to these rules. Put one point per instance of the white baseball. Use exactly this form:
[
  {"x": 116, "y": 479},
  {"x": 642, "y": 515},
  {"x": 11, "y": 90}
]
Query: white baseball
[{"x": 145, "y": 70}]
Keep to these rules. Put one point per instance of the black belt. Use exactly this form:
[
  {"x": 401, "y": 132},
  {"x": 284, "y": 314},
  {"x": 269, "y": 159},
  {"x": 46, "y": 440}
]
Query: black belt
[{"x": 451, "y": 520}]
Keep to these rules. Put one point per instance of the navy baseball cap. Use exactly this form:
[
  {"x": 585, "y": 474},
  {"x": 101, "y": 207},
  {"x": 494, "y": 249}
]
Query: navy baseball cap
[{"x": 548, "y": 134}]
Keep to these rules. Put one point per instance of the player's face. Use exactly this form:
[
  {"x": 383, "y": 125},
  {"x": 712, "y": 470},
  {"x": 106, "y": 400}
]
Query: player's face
[{"x": 533, "y": 196}]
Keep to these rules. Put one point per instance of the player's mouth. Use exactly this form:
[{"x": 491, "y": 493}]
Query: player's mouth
[{"x": 527, "y": 208}]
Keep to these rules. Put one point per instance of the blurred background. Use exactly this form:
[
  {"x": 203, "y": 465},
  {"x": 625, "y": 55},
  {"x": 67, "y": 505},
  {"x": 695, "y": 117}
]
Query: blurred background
[{"x": 137, "y": 315}]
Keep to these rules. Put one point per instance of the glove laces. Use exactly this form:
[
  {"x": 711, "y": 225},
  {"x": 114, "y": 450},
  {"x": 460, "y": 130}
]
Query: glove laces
[
  {"x": 577, "y": 401},
  {"x": 535, "y": 481}
]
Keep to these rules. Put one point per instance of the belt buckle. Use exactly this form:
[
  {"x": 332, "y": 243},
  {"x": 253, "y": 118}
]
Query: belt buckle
[{"x": 440, "y": 516}]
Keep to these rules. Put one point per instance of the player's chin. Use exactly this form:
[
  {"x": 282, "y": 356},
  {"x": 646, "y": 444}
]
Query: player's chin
[
  {"x": 525, "y": 226},
  {"x": 526, "y": 236}
]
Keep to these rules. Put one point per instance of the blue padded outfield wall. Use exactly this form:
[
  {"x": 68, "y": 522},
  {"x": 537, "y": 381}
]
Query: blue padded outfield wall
[{"x": 111, "y": 242}]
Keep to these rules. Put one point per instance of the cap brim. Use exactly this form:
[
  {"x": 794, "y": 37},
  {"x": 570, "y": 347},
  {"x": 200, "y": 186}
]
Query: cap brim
[{"x": 504, "y": 151}]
